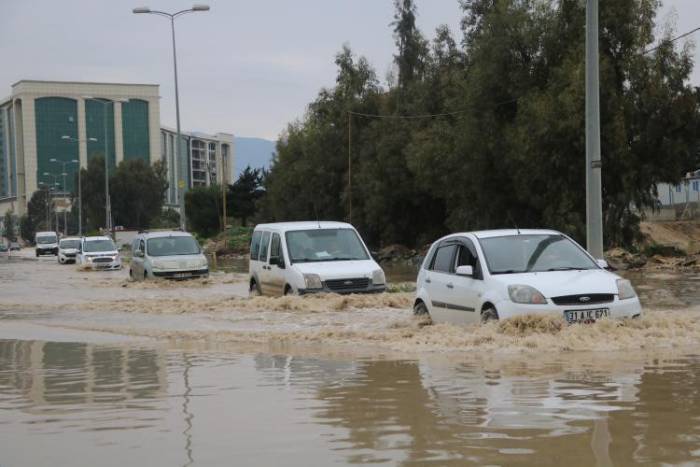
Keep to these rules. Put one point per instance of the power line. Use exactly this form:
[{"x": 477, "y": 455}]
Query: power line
[{"x": 664, "y": 42}]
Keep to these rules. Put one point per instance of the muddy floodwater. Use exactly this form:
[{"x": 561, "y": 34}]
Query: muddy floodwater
[{"x": 98, "y": 370}]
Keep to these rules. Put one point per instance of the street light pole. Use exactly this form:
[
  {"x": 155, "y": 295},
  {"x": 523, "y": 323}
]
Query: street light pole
[
  {"x": 108, "y": 204},
  {"x": 80, "y": 188},
  {"x": 178, "y": 146},
  {"x": 594, "y": 201},
  {"x": 64, "y": 173}
]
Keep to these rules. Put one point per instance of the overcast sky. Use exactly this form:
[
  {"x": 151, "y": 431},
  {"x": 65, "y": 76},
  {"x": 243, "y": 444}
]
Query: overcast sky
[{"x": 247, "y": 66}]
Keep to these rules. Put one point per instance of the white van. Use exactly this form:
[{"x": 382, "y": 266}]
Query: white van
[
  {"x": 309, "y": 257},
  {"x": 46, "y": 243},
  {"x": 167, "y": 255}
]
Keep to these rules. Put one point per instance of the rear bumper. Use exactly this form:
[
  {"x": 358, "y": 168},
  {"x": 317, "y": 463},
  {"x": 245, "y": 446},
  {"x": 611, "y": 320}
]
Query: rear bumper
[
  {"x": 185, "y": 274},
  {"x": 369, "y": 289}
]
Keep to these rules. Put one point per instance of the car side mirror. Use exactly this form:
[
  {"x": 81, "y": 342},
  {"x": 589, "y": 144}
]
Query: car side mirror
[
  {"x": 602, "y": 263},
  {"x": 467, "y": 271},
  {"x": 138, "y": 253}
]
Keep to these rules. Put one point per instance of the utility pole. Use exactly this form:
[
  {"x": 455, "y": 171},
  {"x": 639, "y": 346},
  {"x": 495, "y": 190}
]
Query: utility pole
[
  {"x": 350, "y": 167},
  {"x": 594, "y": 199}
]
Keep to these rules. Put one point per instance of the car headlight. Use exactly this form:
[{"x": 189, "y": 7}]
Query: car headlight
[
  {"x": 625, "y": 289},
  {"x": 378, "y": 277},
  {"x": 313, "y": 281},
  {"x": 203, "y": 263},
  {"x": 526, "y": 294}
]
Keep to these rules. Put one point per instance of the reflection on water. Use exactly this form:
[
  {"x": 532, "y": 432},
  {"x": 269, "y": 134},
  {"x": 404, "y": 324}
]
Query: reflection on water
[{"x": 82, "y": 404}]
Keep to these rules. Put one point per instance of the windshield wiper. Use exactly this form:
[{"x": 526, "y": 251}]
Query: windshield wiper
[
  {"x": 507, "y": 271},
  {"x": 567, "y": 268}
]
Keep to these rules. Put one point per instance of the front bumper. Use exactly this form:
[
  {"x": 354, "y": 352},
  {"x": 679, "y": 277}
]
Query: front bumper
[
  {"x": 619, "y": 309},
  {"x": 47, "y": 251},
  {"x": 111, "y": 266},
  {"x": 181, "y": 274},
  {"x": 369, "y": 289}
]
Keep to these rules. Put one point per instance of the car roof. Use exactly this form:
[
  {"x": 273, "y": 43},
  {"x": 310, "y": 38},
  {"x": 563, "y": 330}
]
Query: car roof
[
  {"x": 47, "y": 232},
  {"x": 70, "y": 238},
  {"x": 503, "y": 233},
  {"x": 96, "y": 237},
  {"x": 165, "y": 233},
  {"x": 303, "y": 225}
]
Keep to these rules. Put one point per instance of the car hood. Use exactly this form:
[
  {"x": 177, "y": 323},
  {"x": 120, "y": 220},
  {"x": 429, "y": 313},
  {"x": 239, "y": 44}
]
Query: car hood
[
  {"x": 101, "y": 253},
  {"x": 557, "y": 283},
  {"x": 338, "y": 269},
  {"x": 69, "y": 250}
]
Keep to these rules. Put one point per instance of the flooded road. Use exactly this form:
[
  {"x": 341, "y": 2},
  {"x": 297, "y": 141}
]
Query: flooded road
[
  {"x": 97, "y": 370},
  {"x": 68, "y": 403}
]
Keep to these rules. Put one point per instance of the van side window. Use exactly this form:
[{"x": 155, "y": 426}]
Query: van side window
[
  {"x": 264, "y": 246},
  {"x": 444, "y": 259},
  {"x": 255, "y": 245},
  {"x": 275, "y": 251},
  {"x": 142, "y": 246}
]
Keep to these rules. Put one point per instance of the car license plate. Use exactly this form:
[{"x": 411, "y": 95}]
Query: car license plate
[
  {"x": 182, "y": 275},
  {"x": 586, "y": 316}
]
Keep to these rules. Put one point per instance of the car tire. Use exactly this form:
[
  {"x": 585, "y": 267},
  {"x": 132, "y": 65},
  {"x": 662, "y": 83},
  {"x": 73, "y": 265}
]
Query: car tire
[
  {"x": 131, "y": 274},
  {"x": 254, "y": 290},
  {"x": 37, "y": 253},
  {"x": 419, "y": 309},
  {"x": 489, "y": 314}
]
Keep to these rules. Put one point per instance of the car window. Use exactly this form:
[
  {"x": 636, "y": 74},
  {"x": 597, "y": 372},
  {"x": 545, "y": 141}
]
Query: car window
[
  {"x": 264, "y": 246},
  {"x": 444, "y": 259},
  {"x": 178, "y": 245},
  {"x": 275, "y": 246},
  {"x": 92, "y": 246},
  {"x": 305, "y": 246},
  {"x": 255, "y": 245},
  {"x": 142, "y": 245}
]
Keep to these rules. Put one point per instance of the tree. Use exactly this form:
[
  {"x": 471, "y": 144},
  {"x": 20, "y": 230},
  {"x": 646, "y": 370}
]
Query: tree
[
  {"x": 505, "y": 143},
  {"x": 40, "y": 211},
  {"x": 10, "y": 228},
  {"x": 202, "y": 208},
  {"x": 27, "y": 228},
  {"x": 93, "y": 188},
  {"x": 137, "y": 191},
  {"x": 242, "y": 197}
]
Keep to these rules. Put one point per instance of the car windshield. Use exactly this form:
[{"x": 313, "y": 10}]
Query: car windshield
[
  {"x": 171, "y": 246},
  {"x": 306, "y": 246},
  {"x": 534, "y": 253},
  {"x": 92, "y": 246},
  {"x": 44, "y": 239},
  {"x": 65, "y": 244}
]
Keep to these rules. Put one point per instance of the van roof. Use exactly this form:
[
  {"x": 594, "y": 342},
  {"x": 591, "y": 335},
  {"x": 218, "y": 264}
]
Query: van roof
[
  {"x": 303, "y": 225},
  {"x": 97, "y": 237},
  {"x": 48, "y": 232}
]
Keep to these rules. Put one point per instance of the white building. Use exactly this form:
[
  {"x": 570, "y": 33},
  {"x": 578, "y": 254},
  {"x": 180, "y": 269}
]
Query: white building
[
  {"x": 208, "y": 160},
  {"x": 47, "y": 125},
  {"x": 685, "y": 192}
]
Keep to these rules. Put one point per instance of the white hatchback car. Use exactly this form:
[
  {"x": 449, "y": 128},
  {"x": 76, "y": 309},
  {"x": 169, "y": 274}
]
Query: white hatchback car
[
  {"x": 309, "y": 257},
  {"x": 168, "y": 255},
  {"x": 99, "y": 253},
  {"x": 479, "y": 276}
]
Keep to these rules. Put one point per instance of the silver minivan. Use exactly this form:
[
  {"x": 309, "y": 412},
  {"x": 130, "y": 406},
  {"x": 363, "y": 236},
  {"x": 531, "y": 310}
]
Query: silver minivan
[{"x": 168, "y": 255}]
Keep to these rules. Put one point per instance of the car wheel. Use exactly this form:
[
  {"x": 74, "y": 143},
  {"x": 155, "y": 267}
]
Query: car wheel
[
  {"x": 131, "y": 274},
  {"x": 419, "y": 309},
  {"x": 254, "y": 290},
  {"x": 37, "y": 253},
  {"x": 489, "y": 314},
  {"x": 288, "y": 291}
]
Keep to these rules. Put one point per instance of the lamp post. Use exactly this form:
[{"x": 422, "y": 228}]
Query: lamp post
[
  {"x": 171, "y": 17},
  {"x": 54, "y": 184},
  {"x": 108, "y": 204},
  {"x": 48, "y": 203},
  {"x": 80, "y": 189},
  {"x": 63, "y": 172}
]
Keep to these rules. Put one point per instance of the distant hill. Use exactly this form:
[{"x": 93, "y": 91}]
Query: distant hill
[{"x": 254, "y": 152}]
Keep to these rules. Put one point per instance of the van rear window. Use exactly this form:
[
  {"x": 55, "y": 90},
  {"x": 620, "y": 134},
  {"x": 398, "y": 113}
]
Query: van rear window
[{"x": 255, "y": 245}]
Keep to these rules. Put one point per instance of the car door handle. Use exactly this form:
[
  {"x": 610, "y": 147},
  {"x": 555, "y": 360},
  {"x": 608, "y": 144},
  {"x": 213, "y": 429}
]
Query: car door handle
[{"x": 450, "y": 286}]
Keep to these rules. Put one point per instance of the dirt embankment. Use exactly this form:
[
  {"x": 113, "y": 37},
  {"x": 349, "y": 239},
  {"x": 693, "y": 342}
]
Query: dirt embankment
[{"x": 667, "y": 246}]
